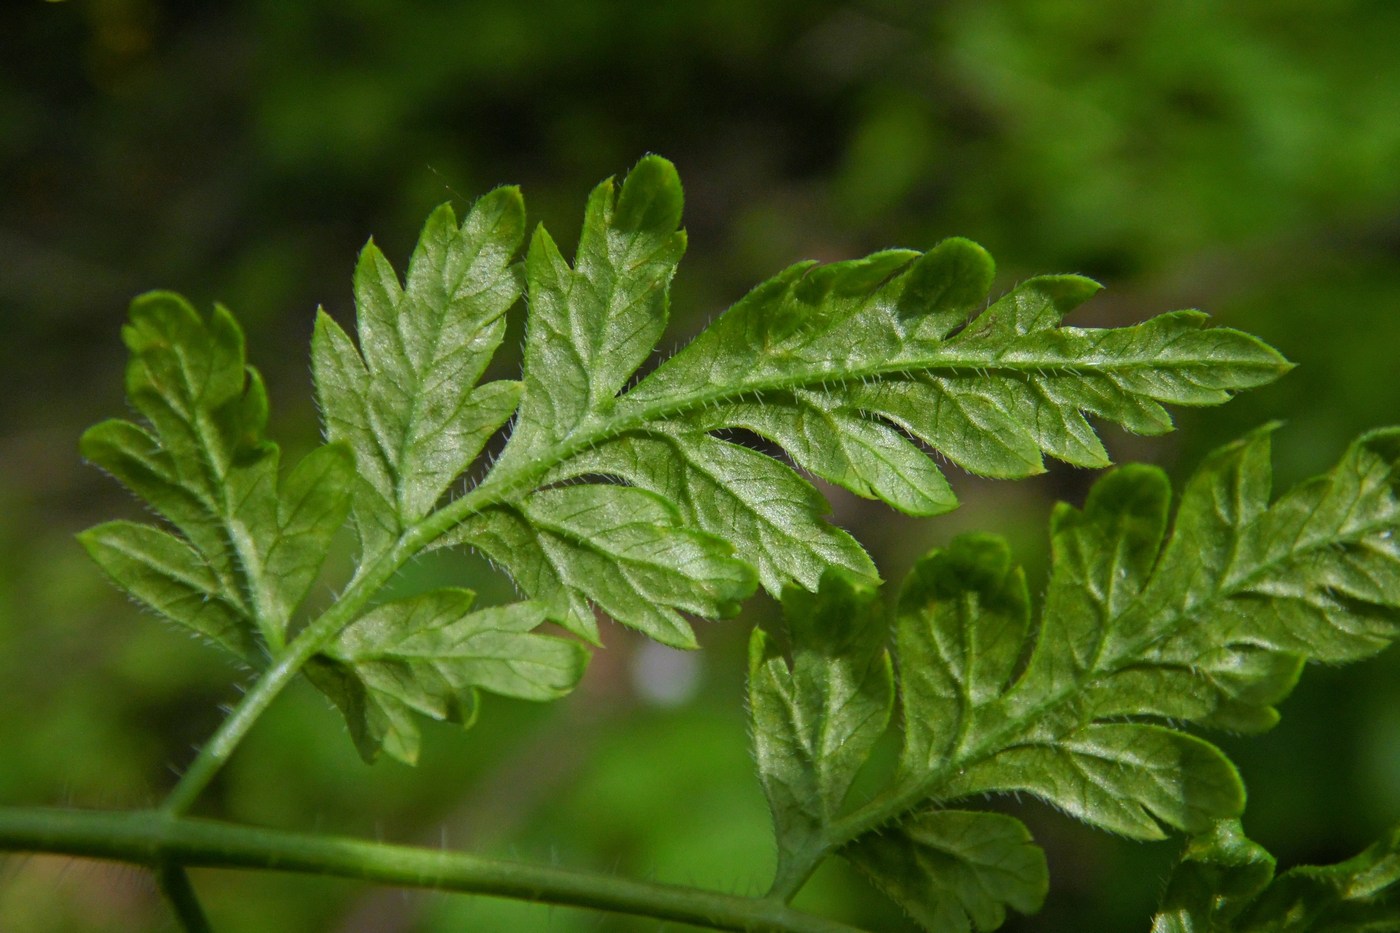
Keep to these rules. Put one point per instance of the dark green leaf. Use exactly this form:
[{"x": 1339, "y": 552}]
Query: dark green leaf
[
  {"x": 1123, "y": 777},
  {"x": 1218, "y": 876},
  {"x": 1209, "y": 628},
  {"x": 962, "y": 622},
  {"x": 1360, "y": 895}
]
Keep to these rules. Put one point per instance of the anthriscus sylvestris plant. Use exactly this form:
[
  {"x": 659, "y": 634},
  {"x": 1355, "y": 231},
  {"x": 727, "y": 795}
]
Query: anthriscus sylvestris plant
[{"x": 632, "y": 499}]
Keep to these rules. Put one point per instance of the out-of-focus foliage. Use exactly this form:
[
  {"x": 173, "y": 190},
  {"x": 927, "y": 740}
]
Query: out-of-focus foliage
[{"x": 1243, "y": 158}]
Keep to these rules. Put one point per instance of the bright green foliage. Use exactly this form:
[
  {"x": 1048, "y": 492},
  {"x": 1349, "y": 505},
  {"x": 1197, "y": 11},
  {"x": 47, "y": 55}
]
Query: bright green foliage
[
  {"x": 1211, "y": 628},
  {"x": 593, "y": 323},
  {"x": 410, "y": 407},
  {"x": 431, "y": 653},
  {"x": 613, "y": 494},
  {"x": 850, "y": 366},
  {"x": 1225, "y": 884},
  {"x": 251, "y": 546}
]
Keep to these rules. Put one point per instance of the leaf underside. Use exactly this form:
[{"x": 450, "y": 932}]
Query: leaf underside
[
  {"x": 431, "y": 654},
  {"x": 1141, "y": 634},
  {"x": 613, "y": 495},
  {"x": 245, "y": 546}
]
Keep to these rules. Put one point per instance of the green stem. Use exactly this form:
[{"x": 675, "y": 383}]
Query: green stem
[
  {"x": 175, "y": 885},
  {"x": 159, "y": 840},
  {"x": 273, "y": 680}
]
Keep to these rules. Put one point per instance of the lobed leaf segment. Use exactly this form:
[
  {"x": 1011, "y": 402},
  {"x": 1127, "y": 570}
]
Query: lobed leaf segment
[
  {"x": 616, "y": 492},
  {"x": 1084, "y": 709},
  {"x": 1226, "y": 883}
]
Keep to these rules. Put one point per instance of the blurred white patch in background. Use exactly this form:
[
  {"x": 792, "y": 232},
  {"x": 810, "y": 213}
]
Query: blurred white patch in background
[{"x": 665, "y": 676}]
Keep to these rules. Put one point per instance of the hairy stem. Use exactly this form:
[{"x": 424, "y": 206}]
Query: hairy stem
[
  {"x": 157, "y": 839},
  {"x": 265, "y": 689}
]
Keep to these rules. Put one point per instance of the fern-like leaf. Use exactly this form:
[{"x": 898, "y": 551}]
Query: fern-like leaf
[
  {"x": 854, "y": 368},
  {"x": 249, "y": 545},
  {"x": 1085, "y": 709},
  {"x": 407, "y": 401},
  {"x": 617, "y": 492}
]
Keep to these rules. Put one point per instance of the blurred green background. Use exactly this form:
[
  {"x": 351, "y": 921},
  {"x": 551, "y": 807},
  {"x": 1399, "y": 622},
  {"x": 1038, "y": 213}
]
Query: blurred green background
[{"x": 1243, "y": 158}]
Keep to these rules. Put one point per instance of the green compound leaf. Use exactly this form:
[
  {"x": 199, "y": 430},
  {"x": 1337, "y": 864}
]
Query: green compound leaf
[
  {"x": 252, "y": 545},
  {"x": 430, "y": 655},
  {"x": 1212, "y": 631},
  {"x": 650, "y": 495},
  {"x": 956, "y": 870},
  {"x": 1225, "y": 883},
  {"x": 635, "y": 553},
  {"x": 888, "y": 338},
  {"x": 851, "y": 367},
  {"x": 1210, "y": 628}
]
